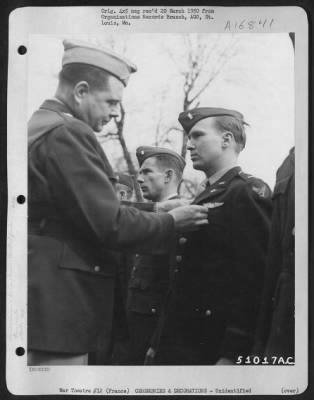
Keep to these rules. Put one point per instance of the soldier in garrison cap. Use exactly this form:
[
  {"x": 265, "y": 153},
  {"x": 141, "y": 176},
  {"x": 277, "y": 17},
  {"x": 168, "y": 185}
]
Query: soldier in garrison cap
[
  {"x": 159, "y": 177},
  {"x": 124, "y": 187},
  {"x": 75, "y": 215},
  {"x": 220, "y": 268}
]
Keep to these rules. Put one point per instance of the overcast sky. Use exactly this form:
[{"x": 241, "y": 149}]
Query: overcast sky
[{"x": 257, "y": 80}]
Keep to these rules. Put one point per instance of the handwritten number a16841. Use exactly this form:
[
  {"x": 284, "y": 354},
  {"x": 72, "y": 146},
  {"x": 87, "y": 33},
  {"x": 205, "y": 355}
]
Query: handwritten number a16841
[{"x": 248, "y": 25}]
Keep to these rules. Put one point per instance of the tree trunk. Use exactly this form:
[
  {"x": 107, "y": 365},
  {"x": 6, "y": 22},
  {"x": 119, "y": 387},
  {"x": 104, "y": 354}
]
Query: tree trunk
[
  {"x": 186, "y": 105},
  {"x": 131, "y": 169},
  {"x": 184, "y": 144}
]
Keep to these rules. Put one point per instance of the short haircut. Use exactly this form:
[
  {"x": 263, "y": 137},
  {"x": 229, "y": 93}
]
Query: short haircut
[
  {"x": 170, "y": 162},
  {"x": 236, "y": 127},
  {"x": 96, "y": 77}
]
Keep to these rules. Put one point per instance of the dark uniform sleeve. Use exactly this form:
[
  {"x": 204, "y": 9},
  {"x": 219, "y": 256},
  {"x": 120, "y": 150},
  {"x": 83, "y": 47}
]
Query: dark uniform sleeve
[
  {"x": 250, "y": 231},
  {"x": 82, "y": 190},
  {"x": 149, "y": 206}
]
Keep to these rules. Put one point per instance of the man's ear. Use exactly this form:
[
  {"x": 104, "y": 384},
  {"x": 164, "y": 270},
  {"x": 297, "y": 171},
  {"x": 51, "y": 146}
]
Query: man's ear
[
  {"x": 227, "y": 138},
  {"x": 80, "y": 90},
  {"x": 168, "y": 175}
]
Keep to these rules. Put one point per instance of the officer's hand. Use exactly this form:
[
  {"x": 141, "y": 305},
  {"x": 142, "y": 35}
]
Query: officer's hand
[
  {"x": 224, "y": 361},
  {"x": 167, "y": 205},
  {"x": 189, "y": 217}
]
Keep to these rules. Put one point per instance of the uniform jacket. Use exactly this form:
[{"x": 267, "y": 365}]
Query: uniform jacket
[
  {"x": 275, "y": 332},
  {"x": 221, "y": 266},
  {"x": 149, "y": 282},
  {"x": 74, "y": 216}
]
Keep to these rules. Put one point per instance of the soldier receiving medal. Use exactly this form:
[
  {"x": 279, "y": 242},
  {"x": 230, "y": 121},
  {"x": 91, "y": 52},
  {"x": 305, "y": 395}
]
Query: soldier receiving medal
[{"x": 220, "y": 267}]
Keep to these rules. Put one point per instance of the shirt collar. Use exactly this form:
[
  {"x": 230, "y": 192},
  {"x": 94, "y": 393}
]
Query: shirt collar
[
  {"x": 217, "y": 175},
  {"x": 171, "y": 196},
  {"x": 56, "y": 105}
]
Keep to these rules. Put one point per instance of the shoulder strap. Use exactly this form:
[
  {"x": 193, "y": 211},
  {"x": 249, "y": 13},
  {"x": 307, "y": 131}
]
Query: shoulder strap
[{"x": 42, "y": 122}]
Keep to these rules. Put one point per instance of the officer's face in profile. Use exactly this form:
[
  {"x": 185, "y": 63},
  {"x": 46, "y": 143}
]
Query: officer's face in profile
[
  {"x": 151, "y": 179},
  {"x": 205, "y": 145},
  {"x": 97, "y": 106}
]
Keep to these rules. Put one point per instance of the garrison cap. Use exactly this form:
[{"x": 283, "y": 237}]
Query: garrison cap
[
  {"x": 125, "y": 179},
  {"x": 76, "y": 52},
  {"x": 189, "y": 118},
  {"x": 144, "y": 152}
]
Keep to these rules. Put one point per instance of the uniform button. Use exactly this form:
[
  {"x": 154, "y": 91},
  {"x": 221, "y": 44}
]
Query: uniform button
[
  {"x": 96, "y": 268},
  {"x": 208, "y": 313},
  {"x": 154, "y": 310},
  {"x": 178, "y": 258},
  {"x": 182, "y": 240}
]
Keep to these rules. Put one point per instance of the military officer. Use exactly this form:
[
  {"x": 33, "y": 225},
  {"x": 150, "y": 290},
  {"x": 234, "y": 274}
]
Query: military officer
[
  {"x": 220, "y": 268},
  {"x": 276, "y": 327},
  {"x": 159, "y": 177},
  {"x": 74, "y": 213}
]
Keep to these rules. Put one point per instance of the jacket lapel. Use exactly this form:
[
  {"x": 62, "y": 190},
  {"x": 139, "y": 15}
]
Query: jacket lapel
[{"x": 218, "y": 187}]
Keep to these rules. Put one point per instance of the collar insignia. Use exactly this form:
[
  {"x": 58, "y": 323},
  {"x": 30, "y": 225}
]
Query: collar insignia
[
  {"x": 68, "y": 114},
  {"x": 190, "y": 116}
]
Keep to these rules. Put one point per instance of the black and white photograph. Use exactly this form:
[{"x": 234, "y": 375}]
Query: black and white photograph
[{"x": 157, "y": 222}]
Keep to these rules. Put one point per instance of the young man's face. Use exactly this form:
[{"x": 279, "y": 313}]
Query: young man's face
[
  {"x": 151, "y": 179},
  {"x": 123, "y": 192},
  {"x": 98, "y": 106},
  {"x": 205, "y": 144}
]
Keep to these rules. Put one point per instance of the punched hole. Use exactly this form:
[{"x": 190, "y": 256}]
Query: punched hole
[
  {"x": 20, "y": 199},
  {"x": 20, "y": 351},
  {"x": 22, "y": 50}
]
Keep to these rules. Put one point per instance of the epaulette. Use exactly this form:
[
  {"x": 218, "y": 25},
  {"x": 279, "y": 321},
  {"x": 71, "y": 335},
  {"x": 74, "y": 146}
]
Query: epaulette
[
  {"x": 42, "y": 122},
  {"x": 258, "y": 186}
]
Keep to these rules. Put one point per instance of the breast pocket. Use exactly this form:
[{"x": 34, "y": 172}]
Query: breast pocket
[
  {"x": 214, "y": 236},
  {"x": 75, "y": 257}
]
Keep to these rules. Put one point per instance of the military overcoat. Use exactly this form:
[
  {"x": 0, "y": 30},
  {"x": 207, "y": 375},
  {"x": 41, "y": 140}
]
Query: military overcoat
[{"x": 74, "y": 218}]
